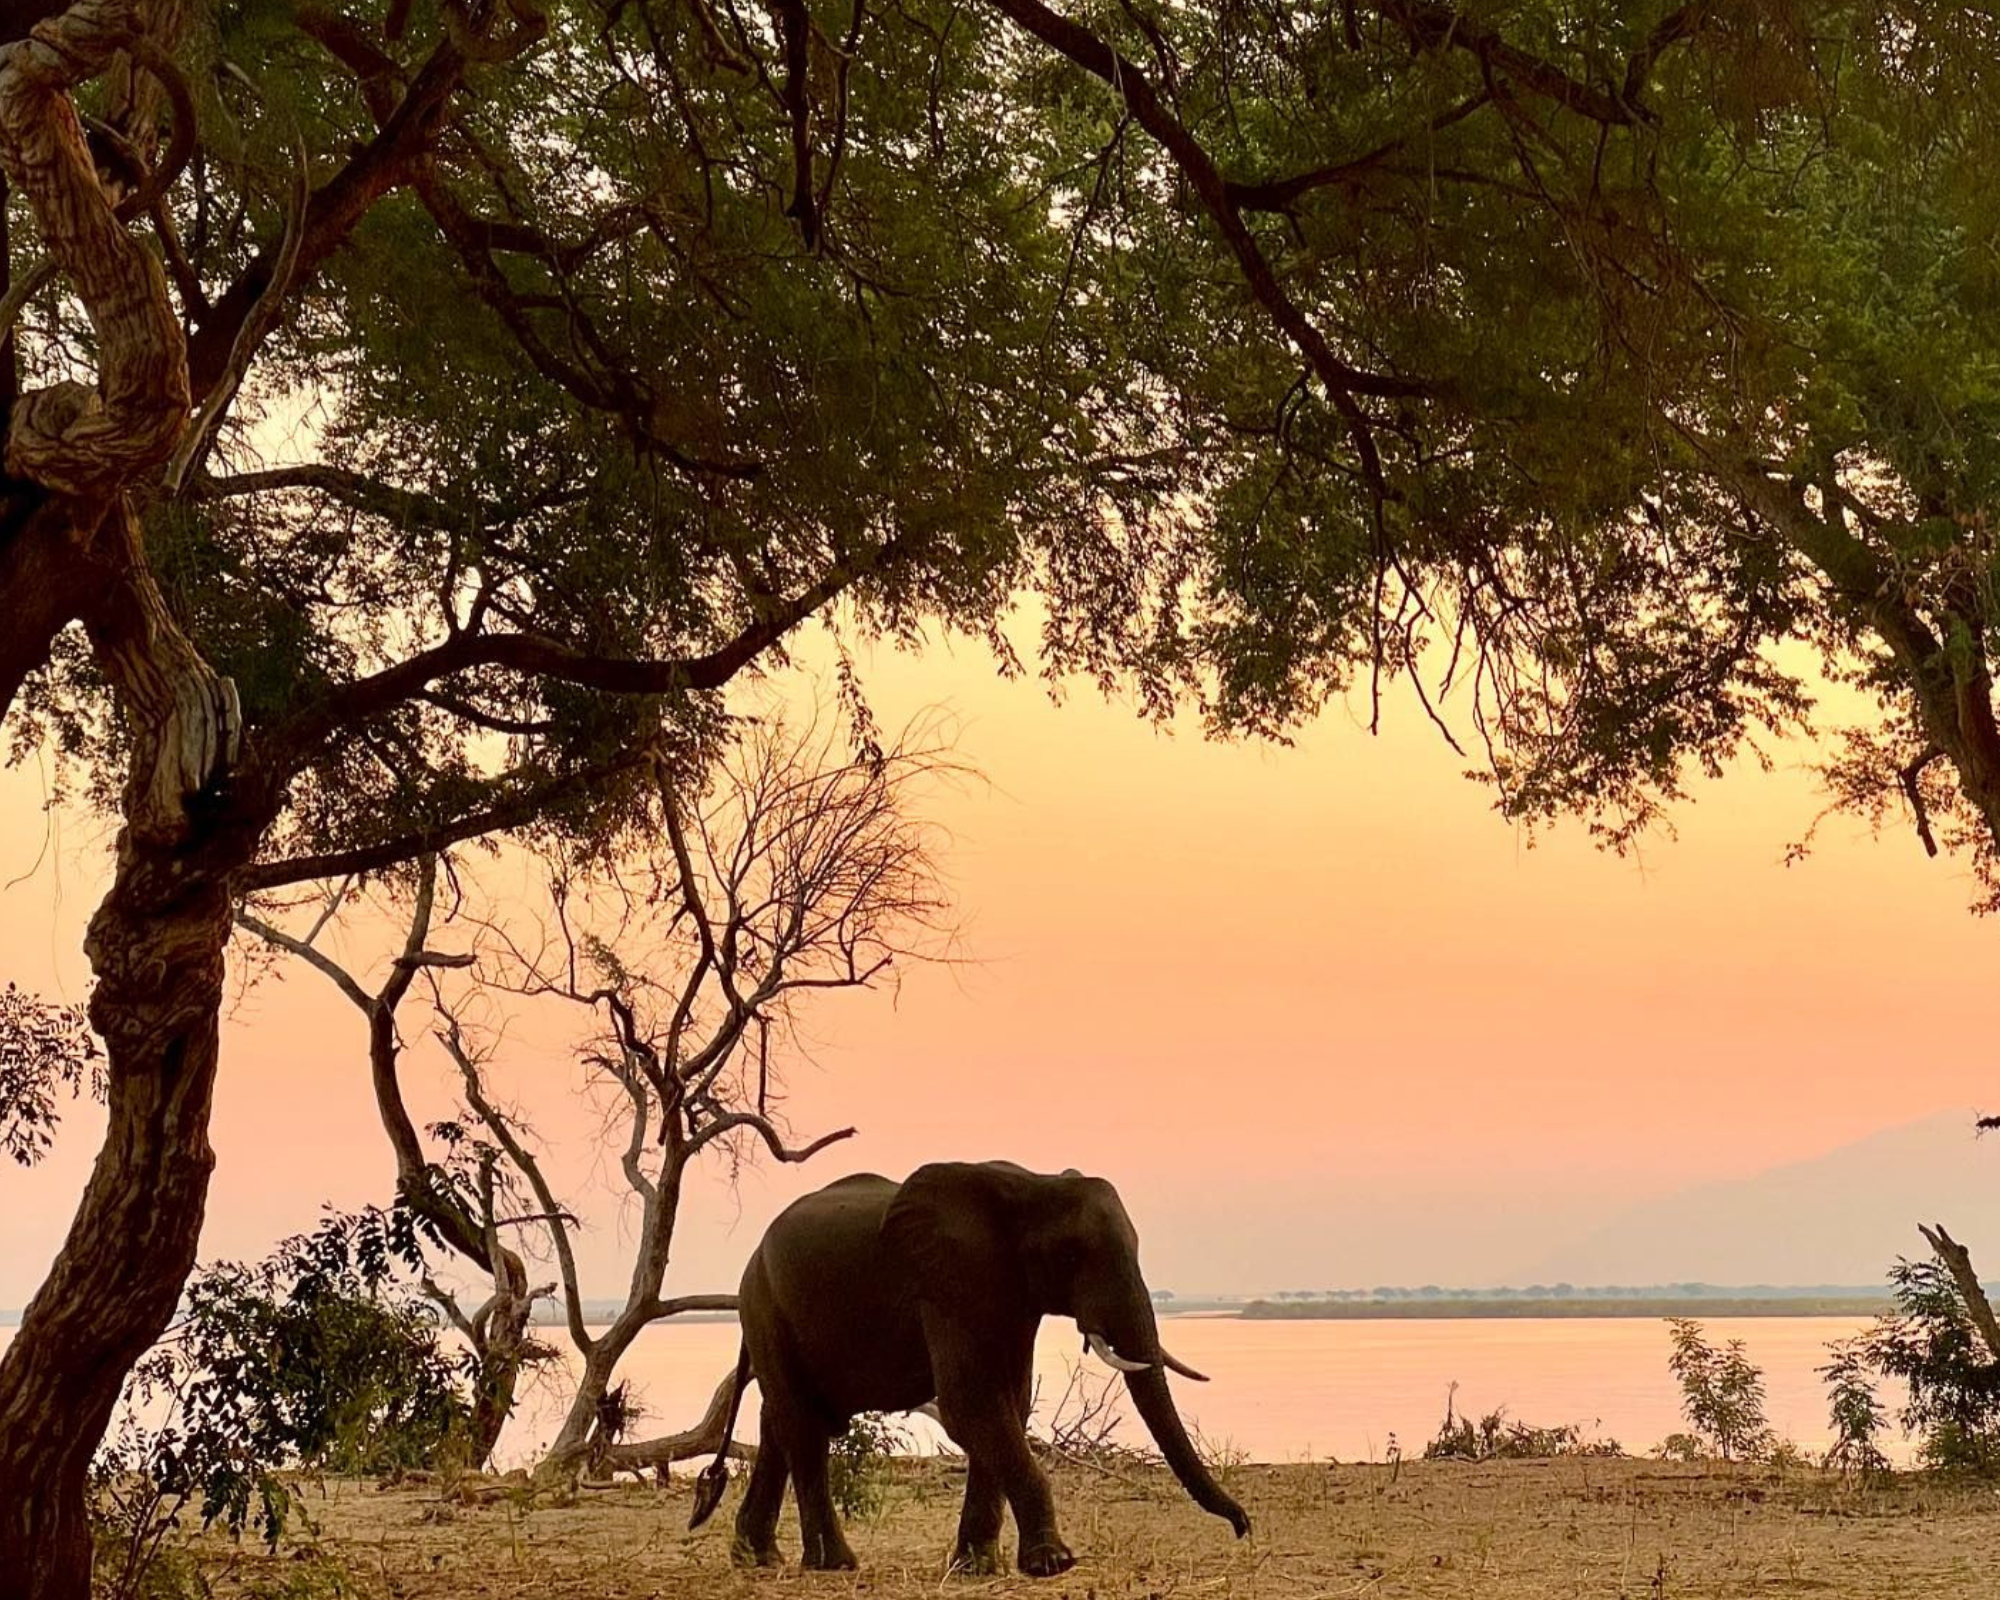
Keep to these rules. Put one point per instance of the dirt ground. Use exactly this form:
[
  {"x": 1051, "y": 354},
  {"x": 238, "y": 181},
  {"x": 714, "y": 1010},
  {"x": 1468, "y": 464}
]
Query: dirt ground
[{"x": 1510, "y": 1529}]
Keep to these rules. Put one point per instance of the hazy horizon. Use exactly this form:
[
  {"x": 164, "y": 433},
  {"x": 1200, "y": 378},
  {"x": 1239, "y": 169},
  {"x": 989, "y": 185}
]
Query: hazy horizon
[{"x": 1322, "y": 1017}]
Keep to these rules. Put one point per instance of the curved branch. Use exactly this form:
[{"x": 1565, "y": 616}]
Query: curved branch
[
  {"x": 74, "y": 438},
  {"x": 524, "y": 1163},
  {"x": 762, "y": 1127},
  {"x": 515, "y": 811},
  {"x": 180, "y": 148},
  {"x": 527, "y": 653}
]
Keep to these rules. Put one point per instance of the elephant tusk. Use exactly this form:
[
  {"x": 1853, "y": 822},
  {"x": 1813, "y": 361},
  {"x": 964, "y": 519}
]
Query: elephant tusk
[
  {"x": 1186, "y": 1371},
  {"x": 1100, "y": 1347}
]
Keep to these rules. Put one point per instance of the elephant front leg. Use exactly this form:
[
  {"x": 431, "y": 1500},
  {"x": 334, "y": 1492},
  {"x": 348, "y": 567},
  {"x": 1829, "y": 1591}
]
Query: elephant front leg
[
  {"x": 996, "y": 1443},
  {"x": 977, "y": 1553}
]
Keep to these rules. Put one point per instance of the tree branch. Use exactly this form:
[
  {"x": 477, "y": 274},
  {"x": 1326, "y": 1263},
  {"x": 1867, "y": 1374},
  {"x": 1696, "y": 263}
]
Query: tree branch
[
  {"x": 527, "y": 653},
  {"x": 1343, "y": 382},
  {"x": 275, "y": 936},
  {"x": 524, "y": 1163},
  {"x": 72, "y": 437},
  {"x": 515, "y": 811},
  {"x": 1958, "y": 1262},
  {"x": 729, "y": 1122}
]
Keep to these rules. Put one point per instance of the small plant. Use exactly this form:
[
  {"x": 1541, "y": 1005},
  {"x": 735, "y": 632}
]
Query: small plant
[
  {"x": 1495, "y": 1438},
  {"x": 857, "y": 1470},
  {"x": 1855, "y": 1412},
  {"x": 1722, "y": 1393}
]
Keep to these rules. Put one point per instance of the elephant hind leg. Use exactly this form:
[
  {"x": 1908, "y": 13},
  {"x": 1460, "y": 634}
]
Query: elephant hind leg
[
  {"x": 756, "y": 1541},
  {"x": 826, "y": 1547},
  {"x": 804, "y": 1443}
]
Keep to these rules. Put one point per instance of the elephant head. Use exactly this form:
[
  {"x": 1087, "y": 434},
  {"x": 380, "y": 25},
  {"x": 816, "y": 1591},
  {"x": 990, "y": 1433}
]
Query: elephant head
[{"x": 994, "y": 1245}]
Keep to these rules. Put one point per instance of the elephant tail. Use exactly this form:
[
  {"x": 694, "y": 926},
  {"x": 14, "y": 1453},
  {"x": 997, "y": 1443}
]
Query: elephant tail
[{"x": 713, "y": 1479}]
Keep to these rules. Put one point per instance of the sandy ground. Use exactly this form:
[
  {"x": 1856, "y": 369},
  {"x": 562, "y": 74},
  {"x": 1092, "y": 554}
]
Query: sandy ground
[{"x": 1511, "y": 1529}]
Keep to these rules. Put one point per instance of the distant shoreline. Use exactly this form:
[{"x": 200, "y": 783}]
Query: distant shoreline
[
  {"x": 1699, "y": 1306},
  {"x": 1438, "y": 1309}
]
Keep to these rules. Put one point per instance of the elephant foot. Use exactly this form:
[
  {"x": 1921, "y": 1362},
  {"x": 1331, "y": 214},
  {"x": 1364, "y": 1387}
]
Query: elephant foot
[
  {"x": 977, "y": 1560},
  {"x": 743, "y": 1553},
  {"x": 834, "y": 1557},
  {"x": 1046, "y": 1557}
]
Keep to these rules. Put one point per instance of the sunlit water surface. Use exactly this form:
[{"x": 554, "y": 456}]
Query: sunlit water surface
[{"x": 1299, "y": 1390}]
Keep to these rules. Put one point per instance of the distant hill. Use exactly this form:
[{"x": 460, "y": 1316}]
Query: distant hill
[{"x": 1840, "y": 1218}]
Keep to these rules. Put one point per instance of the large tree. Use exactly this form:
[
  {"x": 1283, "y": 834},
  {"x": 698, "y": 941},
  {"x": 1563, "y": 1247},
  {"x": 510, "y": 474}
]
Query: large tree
[{"x": 416, "y": 411}]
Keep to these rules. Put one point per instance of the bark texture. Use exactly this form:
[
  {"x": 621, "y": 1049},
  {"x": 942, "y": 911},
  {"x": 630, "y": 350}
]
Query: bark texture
[{"x": 70, "y": 549}]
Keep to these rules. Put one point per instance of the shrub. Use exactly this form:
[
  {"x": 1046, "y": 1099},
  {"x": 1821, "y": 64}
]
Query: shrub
[
  {"x": 314, "y": 1357},
  {"x": 1722, "y": 1393},
  {"x": 1854, "y": 1411},
  {"x": 1495, "y": 1438},
  {"x": 1954, "y": 1385},
  {"x": 857, "y": 1469}
]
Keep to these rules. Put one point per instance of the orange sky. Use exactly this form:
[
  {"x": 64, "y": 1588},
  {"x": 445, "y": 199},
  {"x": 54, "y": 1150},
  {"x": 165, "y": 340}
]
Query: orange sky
[{"x": 1322, "y": 1016}]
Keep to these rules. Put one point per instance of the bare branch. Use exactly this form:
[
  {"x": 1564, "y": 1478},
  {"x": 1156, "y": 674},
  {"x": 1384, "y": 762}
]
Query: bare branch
[
  {"x": 762, "y": 1127},
  {"x": 1958, "y": 1262},
  {"x": 276, "y": 937},
  {"x": 453, "y": 1039}
]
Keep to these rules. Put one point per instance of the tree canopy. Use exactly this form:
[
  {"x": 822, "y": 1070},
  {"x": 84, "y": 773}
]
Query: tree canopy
[{"x": 1279, "y": 352}]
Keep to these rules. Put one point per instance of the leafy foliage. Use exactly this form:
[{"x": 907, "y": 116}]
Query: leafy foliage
[
  {"x": 43, "y": 1048},
  {"x": 1481, "y": 384},
  {"x": 1854, "y": 1411},
  {"x": 314, "y": 1358},
  {"x": 858, "y": 1467},
  {"x": 1954, "y": 1382},
  {"x": 1722, "y": 1393}
]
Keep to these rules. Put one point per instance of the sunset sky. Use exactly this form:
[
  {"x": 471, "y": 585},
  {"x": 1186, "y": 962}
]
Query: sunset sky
[{"x": 1323, "y": 1017}]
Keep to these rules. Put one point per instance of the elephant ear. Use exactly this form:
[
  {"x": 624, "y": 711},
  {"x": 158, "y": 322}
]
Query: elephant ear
[{"x": 956, "y": 1227}]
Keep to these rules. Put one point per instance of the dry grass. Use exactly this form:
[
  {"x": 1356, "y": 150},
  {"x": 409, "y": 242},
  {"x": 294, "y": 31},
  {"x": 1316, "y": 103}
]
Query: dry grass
[{"x": 1500, "y": 1531}]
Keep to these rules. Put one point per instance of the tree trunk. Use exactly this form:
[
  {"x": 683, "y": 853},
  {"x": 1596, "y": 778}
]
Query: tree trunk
[
  {"x": 574, "y": 1440},
  {"x": 157, "y": 947},
  {"x": 503, "y": 1351}
]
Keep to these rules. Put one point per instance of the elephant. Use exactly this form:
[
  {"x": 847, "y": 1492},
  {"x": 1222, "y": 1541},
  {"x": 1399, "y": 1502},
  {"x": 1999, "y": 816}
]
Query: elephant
[{"x": 873, "y": 1295}]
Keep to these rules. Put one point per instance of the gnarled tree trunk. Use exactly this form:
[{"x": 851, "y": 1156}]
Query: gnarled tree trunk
[
  {"x": 157, "y": 947},
  {"x": 72, "y": 551}
]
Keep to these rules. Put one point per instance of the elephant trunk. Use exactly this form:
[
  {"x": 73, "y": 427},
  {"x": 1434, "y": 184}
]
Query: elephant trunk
[{"x": 1156, "y": 1407}]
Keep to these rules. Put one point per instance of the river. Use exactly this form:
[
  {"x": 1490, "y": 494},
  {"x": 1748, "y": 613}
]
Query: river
[
  {"x": 1299, "y": 1389},
  {"x": 1342, "y": 1390}
]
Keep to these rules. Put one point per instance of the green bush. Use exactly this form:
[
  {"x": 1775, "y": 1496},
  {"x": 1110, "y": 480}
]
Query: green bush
[
  {"x": 1722, "y": 1393},
  {"x": 858, "y": 1467},
  {"x": 1954, "y": 1384},
  {"x": 1854, "y": 1411},
  {"x": 316, "y": 1357}
]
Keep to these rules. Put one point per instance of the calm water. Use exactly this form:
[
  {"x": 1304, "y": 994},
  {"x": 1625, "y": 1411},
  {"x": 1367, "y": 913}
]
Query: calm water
[{"x": 1288, "y": 1391}]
